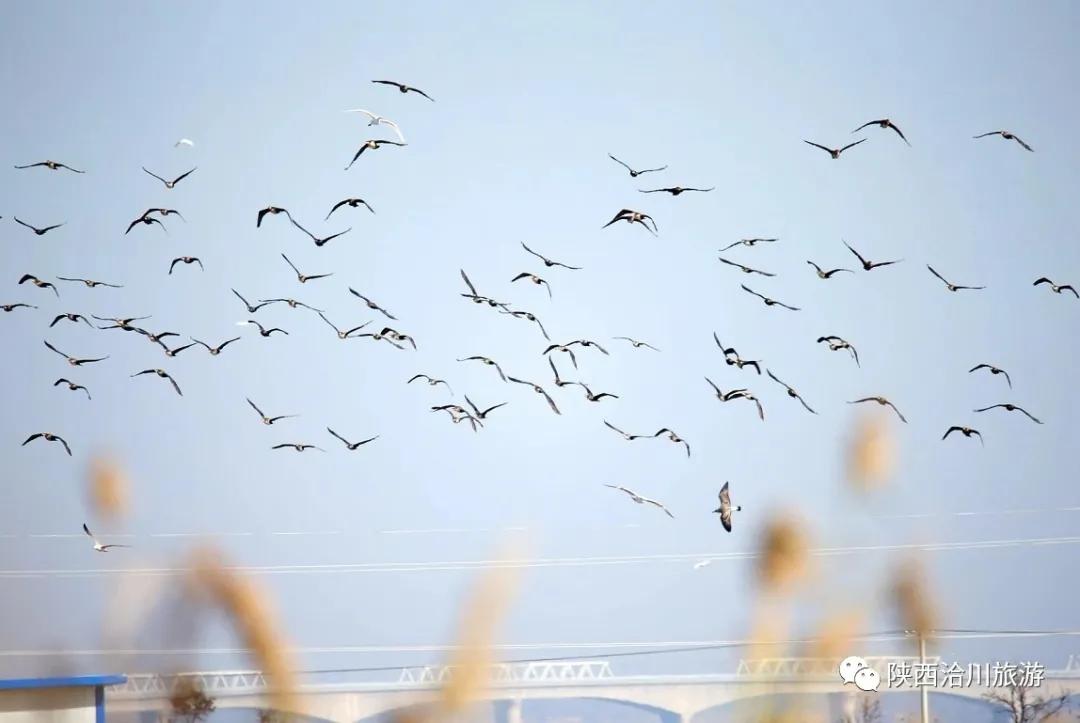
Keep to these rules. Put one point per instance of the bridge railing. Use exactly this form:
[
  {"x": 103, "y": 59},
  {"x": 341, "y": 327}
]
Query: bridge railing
[
  {"x": 154, "y": 685},
  {"x": 534, "y": 672},
  {"x": 792, "y": 667}
]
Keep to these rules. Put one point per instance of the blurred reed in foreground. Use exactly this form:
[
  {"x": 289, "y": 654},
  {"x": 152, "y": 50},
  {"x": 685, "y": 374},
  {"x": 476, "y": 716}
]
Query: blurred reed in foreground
[{"x": 871, "y": 455}]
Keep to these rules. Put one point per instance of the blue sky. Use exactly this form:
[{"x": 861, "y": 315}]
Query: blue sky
[{"x": 530, "y": 99}]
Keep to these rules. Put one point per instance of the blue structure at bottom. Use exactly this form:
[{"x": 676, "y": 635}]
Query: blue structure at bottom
[{"x": 76, "y": 699}]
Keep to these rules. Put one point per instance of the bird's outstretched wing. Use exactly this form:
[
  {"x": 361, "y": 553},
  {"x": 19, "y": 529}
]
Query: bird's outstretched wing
[{"x": 852, "y": 145}]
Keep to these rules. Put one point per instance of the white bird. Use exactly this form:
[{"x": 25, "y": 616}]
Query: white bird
[
  {"x": 97, "y": 545},
  {"x": 641, "y": 500},
  {"x": 702, "y": 563},
  {"x": 379, "y": 120},
  {"x": 184, "y": 142}
]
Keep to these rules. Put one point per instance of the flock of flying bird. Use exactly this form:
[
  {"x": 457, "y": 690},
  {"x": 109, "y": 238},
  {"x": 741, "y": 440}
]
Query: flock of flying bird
[{"x": 571, "y": 349}]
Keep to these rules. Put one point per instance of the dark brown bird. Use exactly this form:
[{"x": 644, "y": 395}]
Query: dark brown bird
[
  {"x": 395, "y": 335},
  {"x": 1011, "y": 408},
  {"x": 948, "y": 284},
  {"x": 633, "y": 173},
  {"x": 372, "y": 144},
  {"x": 273, "y": 211},
  {"x": 269, "y": 420},
  {"x": 404, "y": 88},
  {"x": 624, "y": 435},
  {"x": 749, "y": 242},
  {"x": 48, "y": 437},
  {"x": 72, "y": 360},
  {"x": 767, "y": 300},
  {"x": 39, "y": 283},
  {"x": 565, "y": 349},
  {"x": 790, "y": 391},
  {"x": 675, "y": 190},
  {"x": 559, "y": 381},
  {"x": 215, "y": 350},
  {"x": 147, "y": 220},
  {"x": 72, "y": 386},
  {"x": 732, "y": 358},
  {"x": 175, "y": 352},
  {"x": 292, "y": 303},
  {"x": 590, "y": 396},
  {"x": 1007, "y": 136},
  {"x": 836, "y": 343},
  {"x": 380, "y": 336},
  {"x": 539, "y": 390},
  {"x": 744, "y": 269},
  {"x": 966, "y": 431},
  {"x": 121, "y": 323},
  {"x": 548, "y": 262},
  {"x": 36, "y": 230},
  {"x": 635, "y": 343},
  {"x": 266, "y": 332},
  {"x": 822, "y": 274},
  {"x": 304, "y": 278},
  {"x": 251, "y": 309},
  {"x": 342, "y": 334},
  {"x": 834, "y": 152},
  {"x": 163, "y": 375},
  {"x": 351, "y": 203},
  {"x": 482, "y": 414},
  {"x": 883, "y": 123},
  {"x": 155, "y": 338},
  {"x": 673, "y": 437},
  {"x": 51, "y": 165},
  {"x": 533, "y": 278},
  {"x": 1043, "y": 280},
  {"x": 869, "y": 265},
  {"x": 476, "y": 298},
  {"x": 527, "y": 315},
  {"x": 487, "y": 362},
  {"x": 883, "y": 402},
  {"x": 372, "y": 305},
  {"x": 90, "y": 283},
  {"x": 172, "y": 183},
  {"x": 586, "y": 344},
  {"x": 737, "y": 394},
  {"x": 320, "y": 242},
  {"x": 299, "y": 447},
  {"x": 993, "y": 370},
  {"x": 11, "y": 307},
  {"x": 432, "y": 381},
  {"x": 632, "y": 217},
  {"x": 352, "y": 446},
  {"x": 186, "y": 260},
  {"x": 76, "y": 318}
]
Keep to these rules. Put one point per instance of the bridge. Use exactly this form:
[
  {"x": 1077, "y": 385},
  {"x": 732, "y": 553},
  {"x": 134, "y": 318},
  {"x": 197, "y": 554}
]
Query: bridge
[{"x": 673, "y": 698}]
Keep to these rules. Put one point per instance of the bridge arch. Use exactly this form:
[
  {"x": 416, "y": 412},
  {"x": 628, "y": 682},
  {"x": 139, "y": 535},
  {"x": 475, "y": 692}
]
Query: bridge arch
[{"x": 531, "y": 709}]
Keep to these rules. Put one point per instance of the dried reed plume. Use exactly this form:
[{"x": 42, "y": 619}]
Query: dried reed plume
[
  {"x": 783, "y": 554},
  {"x": 247, "y": 608},
  {"x": 108, "y": 488},
  {"x": 910, "y": 593},
  {"x": 871, "y": 453},
  {"x": 834, "y": 638}
]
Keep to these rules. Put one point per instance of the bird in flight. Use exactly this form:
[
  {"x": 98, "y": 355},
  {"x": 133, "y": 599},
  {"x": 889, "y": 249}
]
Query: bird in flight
[
  {"x": 1042, "y": 280},
  {"x": 172, "y": 183},
  {"x": 675, "y": 190},
  {"x": 381, "y": 336},
  {"x": 299, "y": 447},
  {"x": 163, "y": 375},
  {"x": 632, "y": 217},
  {"x": 351, "y": 203},
  {"x": 725, "y": 509},
  {"x": 749, "y": 242},
  {"x": 993, "y": 370},
  {"x": 273, "y": 211},
  {"x": 292, "y": 303},
  {"x": 590, "y": 395},
  {"x": 767, "y": 300},
  {"x": 90, "y": 283},
  {"x": 265, "y": 332},
  {"x": 548, "y": 262},
  {"x": 565, "y": 349},
  {"x": 72, "y": 360},
  {"x": 533, "y": 278},
  {"x": 624, "y": 435},
  {"x": 633, "y": 173},
  {"x": 75, "y": 318},
  {"x": 371, "y": 144},
  {"x": 175, "y": 352},
  {"x": 251, "y": 309},
  {"x": 527, "y": 315},
  {"x": 1011, "y": 408},
  {"x": 641, "y": 500},
  {"x": 790, "y": 391},
  {"x": 404, "y": 88},
  {"x": 869, "y": 265},
  {"x": 432, "y": 381},
  {"x": 834, "y": 152},
  {"x": 559, "y": 381},
  {"x": 395, "y": 335},
  {"x": 51, "y": 165},
  {"x": 184, "y": 142},
  {"x": 303, "y": 278},
  {"x": 539, "y": 390},
  {"x": 732, "y": 358},
  {"x": 39, "y": 231},
  {"x": 268, "y": 420},
  {"x": 836, "y": 343},
  {"x": 458, "y": 414},
  {"x": 122, "y": 323},
  {"x": 635, "y": 343},
  {"x": 7, "y": 308},
  {"x": 215, "y": 350},
  {"x": 39, "y": 283},
  {"x": 72, "y": 386},
  {"x": 352, "y": 446},
  {"x": 147, "y": 220},
  {"x": 375, "y": 120},
  {"x": 187, "y": 260},
  {"x": 1007, "y": 136},
  {"x": 342, "y": 334},
  {"x": 966, "y": 431},
  {"x": 48, "y": 437},
  {"x": 737, "y": 394},
  {"x": 883, "y": 402},
  {"x": 673, "y": 437},
  {"x": 744, "y": 269},
  {"x": 155, "y": 338},
  {"x": 482, "y": 414},
  {"x": 883, "y": 123},
  {"x": 320, "y": 242},
  {"x": 371, "y": 304},
  {"x": 488, "y": 362},
  {"x": 98, "y": 547},
  {"x": 948, "y": 284},
  {"x": 822, "y": 274},
  {"x": 476, "y": 298}
]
